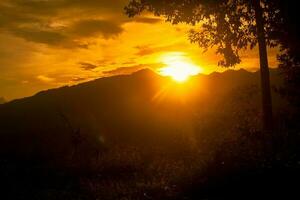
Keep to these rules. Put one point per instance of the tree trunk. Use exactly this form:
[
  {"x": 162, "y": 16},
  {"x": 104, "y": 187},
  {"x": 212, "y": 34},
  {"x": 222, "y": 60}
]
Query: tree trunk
[{"x": 264, "y": 69}]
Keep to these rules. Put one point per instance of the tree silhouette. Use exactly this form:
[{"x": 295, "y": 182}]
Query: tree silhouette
[
  {"x": 228, "y": 25},
  {"x": 289, "y": 57}
]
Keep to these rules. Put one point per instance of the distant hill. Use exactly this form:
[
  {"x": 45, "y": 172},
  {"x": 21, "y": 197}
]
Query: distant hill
[
  {"x": 2, "y": 100},
  {"x": 125, "y": 108}
]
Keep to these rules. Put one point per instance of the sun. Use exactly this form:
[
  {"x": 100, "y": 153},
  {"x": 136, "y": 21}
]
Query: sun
[
  {"x": 179, "y": 72},
  {"x": 179, "y": 67}
]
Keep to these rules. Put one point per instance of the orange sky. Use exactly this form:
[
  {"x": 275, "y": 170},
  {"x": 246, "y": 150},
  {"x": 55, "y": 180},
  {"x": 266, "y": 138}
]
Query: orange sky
[{"x": 46, "y": 44}]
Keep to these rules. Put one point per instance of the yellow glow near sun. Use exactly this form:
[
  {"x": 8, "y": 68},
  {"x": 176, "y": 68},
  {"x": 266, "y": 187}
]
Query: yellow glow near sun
[{"x": 179, "y": 67}]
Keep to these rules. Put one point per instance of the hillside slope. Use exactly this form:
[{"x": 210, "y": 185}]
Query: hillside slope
[{"x": 128, "y": 108}]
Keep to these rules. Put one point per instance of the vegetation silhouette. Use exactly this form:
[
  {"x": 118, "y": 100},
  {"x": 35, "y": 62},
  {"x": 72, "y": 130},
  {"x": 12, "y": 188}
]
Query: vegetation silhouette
[{"x": 130, "y": 145}]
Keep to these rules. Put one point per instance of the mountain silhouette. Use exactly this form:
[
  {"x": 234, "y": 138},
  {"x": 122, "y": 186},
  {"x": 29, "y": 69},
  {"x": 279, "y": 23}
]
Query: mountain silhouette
[
  {"x": 117, "y": 133},
  {"x": 2, "y": 100},
  {"x": 119, "y": 109}
]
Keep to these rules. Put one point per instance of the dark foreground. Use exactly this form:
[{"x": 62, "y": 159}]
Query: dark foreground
[
  {"x": 129, "y": 174},
  {"x": 115, "y": 138}
]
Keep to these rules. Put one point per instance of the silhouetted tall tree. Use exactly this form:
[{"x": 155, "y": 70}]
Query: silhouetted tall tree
[
  {"x": 229, "y": 25},
  {"x": 289, "y": 57}
]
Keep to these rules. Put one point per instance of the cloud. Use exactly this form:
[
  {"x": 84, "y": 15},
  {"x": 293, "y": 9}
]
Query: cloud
[
  {"x": 40, "y": 36},
  {"x": 54, "y": 7},
  {"x": 92, "y": 27},
  {"x": 128, "y": 63},
  {"x": 124, "y": 70},
  {"x": 33, "y": 20},
  {"x": 147, "y": 20},
  {"x": 79, "y": 79},
  {"x": 67, "y": 37},
  {"x": 50, "y": 37},
  {"x": 145, "y": 50},
  {"x": 36, "y": 20},
  {"x": 45, "y": 79},
  {"x": 87, "y": 66},
  {"x": 132, "y": 69}
]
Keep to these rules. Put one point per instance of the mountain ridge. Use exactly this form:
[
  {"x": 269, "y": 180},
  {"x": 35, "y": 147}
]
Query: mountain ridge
[
  {"x": 143, "y": 72},
  {"x": 139, "y": 107},
  {"x": 2, "y": 100}
]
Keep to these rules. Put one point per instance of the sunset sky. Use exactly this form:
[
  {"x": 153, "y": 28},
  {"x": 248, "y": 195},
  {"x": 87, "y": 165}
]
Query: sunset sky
[{"x": 50, "y": 43}]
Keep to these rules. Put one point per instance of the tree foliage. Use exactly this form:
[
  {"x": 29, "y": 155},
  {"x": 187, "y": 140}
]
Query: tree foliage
[
  {"x": 228, "y": 25},
  {"x": 289, "y": 57}
]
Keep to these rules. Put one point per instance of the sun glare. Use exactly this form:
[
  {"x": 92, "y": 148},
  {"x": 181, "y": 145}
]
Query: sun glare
[{"x": 179, "y": 67}]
